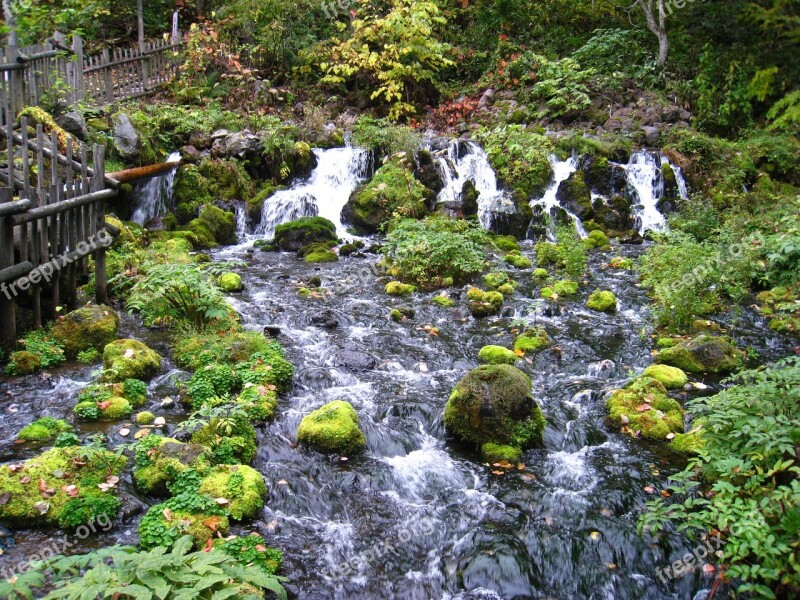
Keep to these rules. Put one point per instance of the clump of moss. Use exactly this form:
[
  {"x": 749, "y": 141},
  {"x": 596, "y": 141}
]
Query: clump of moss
[
  {"x": 497, "y": 355},
  {"x": 214, "y": 226},
  {"x": 187, "y": 513},
  {"x": 160, "y": 460},
  {"x": 671, "y": 377},
  {"x": 507, "y": 243},
  {"x": 484, "y": 304},
  {"x": 114, "y": 408},
  {"x": 499, "y": 453},
  {"x": 86, "y": 328},
  {"x": 540, "y": 273},
  {"x": 230, "y": 282},
  {"x": 496, "y": 279},
  {"x": 229, "y": 441},
  {"x": 242, "y": 486},
  {"x": 703, "y": 354},
  {"x": 145, "y": 418},
  {"x": 688, "y": 443},
  {"x": 565, "y": 287},
  {"x": 644, "y": 408},
  {"x": 321, "y": 256},
  {"x": 518, "y": 260},
  {"x": 294, "y": 235},
  {"x": 619, "y": 262},
  {"x": 333, "y": 427},
  {"x": 44, "y": 429},
  {"x": 23, "y": 362},
  {"x": 443, "y": 301},
  {"x": 258, "y": 401},
  {"x": 597, "y": 239},
  {"x": 126, "y": 359},
  {"x": 493, "y": 404},
  {"x": 402, "y": 313},
  {"x": 546, "y": 254},
  {"x": 532, "y": 340},
  {"x": 397, "y": 288},
  {"x": 602, "y": 300}
]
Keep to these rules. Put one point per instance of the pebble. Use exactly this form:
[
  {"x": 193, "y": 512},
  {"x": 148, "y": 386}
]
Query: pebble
[
  {"x": 167, "y": 401},
  {"x": 160, "y": 422},
  {"x": 699, "y": 386},
  {"x": 124, "y": 431}
]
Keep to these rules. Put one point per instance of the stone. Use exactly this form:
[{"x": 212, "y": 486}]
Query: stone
[
  {"x": 126, "y": 359},
  {"x": 242, "y": 144},
  {"x": 74, "y": 123},
  {"x": 703, "y": 354},
  {"x": 333, "y": 427},
  {"x": 354, "y": 360},
  {"x": 126, "y": 139},
  {"x": 91, "y": 326},
  {"x": 651, "y": 134}
]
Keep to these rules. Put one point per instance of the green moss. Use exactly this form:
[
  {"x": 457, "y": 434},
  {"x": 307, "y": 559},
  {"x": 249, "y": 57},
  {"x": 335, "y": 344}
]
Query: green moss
[
  {"x": 258, "y": 401},
  {"x": 125, "y": 359},
  {"x": 392, "y": 191},
  {"x": 87, "y": 411},
  {"x": 242, "y": 486},
  {"x": 23, "y": 362},
  {"x": 229, "y": 442},
  {"x": 602, "y": 300},
  {"x": 596, "y": 239},
  {"x": 494, "y": 280},
  {"x": 565, "y": 287},
  {"x": 484, "y": 304},
  {"x": 547, "y": 293},
  {"x": 186, "y": 514},
  {"x": 43, "y": 429},
  {"x": 321, "y": 256},
  {"x": 230, "y": 282},
  {"x": 294, "y": 235},
  {"x": 347, "y": 249},
  {"x": 520, "y": 157},
  {"x": 665, "y": 342},
  {"x": 703, "y": 354},
  {"x": 532, "y": 340},
  {"x": 114, "y": 408},
  {"x": 332, "y": 428},
  {"x": 671, "y": 377},
  {"x": 145, "y": 418},
  {"x": 540, "y": 273},
  {"x": 493, "y": 403},
  {"x": 443, "y": 301},
  {"x": 506, "y": 243},
  {"x": 396, "y": 288},
  {"x": 88, "y": 327},
  {"x": 497, "y": 355},
  {"x": 498, "y": 452},
  {"x": 517, "y": 260},
  {"x": 55, "y": 470},
  {"x": 507, "y": 289},
  {"x": 688, "y": 443},
  {"x": 214, "y": 226},
  {"x": 546, "y": 254},
  {"x": 644, "y": 408},
  {"x": 618, "y": 262}
]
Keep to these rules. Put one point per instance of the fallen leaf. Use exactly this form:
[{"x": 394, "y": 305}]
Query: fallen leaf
[
  {"x": 611, "y": 566},
  {"x": 528, "y": 476},
  {"x": 665, "y": 494},
  {"x": 167, "y": 515},
  {"x": 261, "y": 548},
  {"x": 519, "y": 352},
  {"x": 112, "y": 480},
  {"x": 595, "y": 535},
  {"x": 209, "y": 545},
  {"x": 212, "y": 523},
  {"x": 4, "y": 498},
  {"x": 124, "y": 431},
  {"x": 42, "y": 507},
  {"x": 42, "y": 485},
  {"x": 649, "y": 489},
  {"x": 222, "y": 501},
  {"x": 71, "y": 490},
  {"x": 498, "y": 472},
  {"x": 104, "y": 404},
  {"x": 625, "y": 420},
  {"x": 283, "y": 482},
  {"x": 25, "y": 479},
  {"x": 129, "y": 353},
  {"x": 643, "y": 407},
  {"x": 708, "y": 568},
  {"x": 670, "y": 436}
]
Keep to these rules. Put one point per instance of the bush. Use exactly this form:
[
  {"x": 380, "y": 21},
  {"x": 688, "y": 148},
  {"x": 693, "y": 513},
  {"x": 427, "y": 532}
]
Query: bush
[
  {"x": 436, "y": 252},
  {"x": 520, "y": 157}
]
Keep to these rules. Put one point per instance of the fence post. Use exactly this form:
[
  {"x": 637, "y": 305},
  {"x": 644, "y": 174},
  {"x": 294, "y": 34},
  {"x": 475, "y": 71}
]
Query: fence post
[
  {"x": 109, "y": 85},
  {"x": 8, "y": 318},
  {"x": 78, "y": 86},
  {"x": 98, "y": 183},
  {"x": 145, "y": 62}
]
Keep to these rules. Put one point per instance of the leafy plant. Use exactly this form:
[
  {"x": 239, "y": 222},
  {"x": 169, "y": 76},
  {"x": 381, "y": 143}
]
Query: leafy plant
[
  {"x": 570, "y": 251},
  {"x": 252, "y": 550}
]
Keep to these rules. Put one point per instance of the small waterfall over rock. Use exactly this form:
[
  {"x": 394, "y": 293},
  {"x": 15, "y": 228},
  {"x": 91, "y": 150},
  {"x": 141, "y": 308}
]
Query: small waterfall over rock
[
  {"x": 242, "y": 222},
  {"x": 548, "y": 203},
  {"x": 324, "y": 193},
  {"x": 645, "y": 173},
  {"x": 154, "y": 196}
]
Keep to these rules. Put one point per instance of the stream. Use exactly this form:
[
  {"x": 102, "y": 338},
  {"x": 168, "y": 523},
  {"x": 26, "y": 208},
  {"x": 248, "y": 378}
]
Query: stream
[{"x": 417, "y": 516}]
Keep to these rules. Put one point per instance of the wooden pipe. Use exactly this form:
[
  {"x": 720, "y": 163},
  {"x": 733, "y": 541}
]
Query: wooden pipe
[{"x": 137, "y": 173}]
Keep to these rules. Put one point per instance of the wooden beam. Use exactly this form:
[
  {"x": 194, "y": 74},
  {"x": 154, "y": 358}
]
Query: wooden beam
[
  {"x": 59, "y": 207},
  {"x": 12, "y": 208},
  {"x": 137, "y": 173}
]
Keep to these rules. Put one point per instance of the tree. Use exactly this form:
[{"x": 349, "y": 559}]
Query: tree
[
  {"x": 140, "y": 21},
  {"x": 656, "y": 17}
]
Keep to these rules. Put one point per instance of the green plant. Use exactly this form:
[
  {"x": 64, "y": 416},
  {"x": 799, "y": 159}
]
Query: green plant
[
  {"x": 211, "y": 381},
  {"x": 385, "y": 137},
  {"x": 252, "y": 550},
  {"x": 745, "y": 483},
  {"x": 520, "y": 156},
  {"x": 89, "y": 356},
  {"x": 571, "y": 251}
]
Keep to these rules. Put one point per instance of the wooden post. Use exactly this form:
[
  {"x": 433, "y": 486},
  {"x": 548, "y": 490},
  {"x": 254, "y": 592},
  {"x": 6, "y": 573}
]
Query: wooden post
[
  {"x": 98, "y": 183},
  {"x": 106, "y": 58},
  {"x": 79, "y": 85},
  {"x": 8, "y": 317},
  {"x": 145, "y": 62}
]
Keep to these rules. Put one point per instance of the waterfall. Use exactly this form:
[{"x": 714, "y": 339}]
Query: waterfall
[
  {"x": 324, "y": 193},
  {"x": 242, "y": 222},
  {"x": 646, "y": 184},
  {"x": 463, "y": 161},
  {"x": 154, "y": 196},
  {"x": 562, "y": 169}
]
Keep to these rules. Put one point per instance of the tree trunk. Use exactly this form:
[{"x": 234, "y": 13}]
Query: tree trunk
[
  {"x": 140, "y": 21},
  {"x": 656, "y": 18}
]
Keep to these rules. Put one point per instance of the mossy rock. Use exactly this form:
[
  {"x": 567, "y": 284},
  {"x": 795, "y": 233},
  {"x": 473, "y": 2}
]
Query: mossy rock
[
  {"x": 332, "y": 428},
  {"x": 496, "y": 279},
  {"x": 255, "y": 204},
  {"x": 532, "y": 340},
  {"x": 484, "y": 304},
  {"x": 233, "y": 445},
  {"x": 540, "y": 274},
  {"x": 23, "y": 362},
  {"x": 703, "y": 354},
  {"x": 397, "y": 288},
  {"x": 160, "y": 460},
  {"x": 214, "y": 226},
  {"x": 321, "y": 256},
  {"x": 688, "y": 443},
  {"x": 145, "y": 418},
  {"x": 546, "y": 254},
  {"x": 596, "y": 239},
  {"x": 55, "y": 470},
  {"x": 665, "y": 342},
  {"x": 500, "y": 453},
  {"x": 88, "y": 327},
  {"x": 507, "y": 243},
  {"x": 42, "y": 430},
  {"x": 602, "y": 300},
  {"x": 644, "y": 408},
  {"x": 347, "y": 249},
  {"x": 493, "y": 404},
  {"x": 393, "y": 190},
  {"x": 443, "y": 301},
  {"x": 163, "y": 526},
  {"x": 294, "y": 235},
  {"x": 497, "y": 355},
  {"x": 230, "y": 282},
  {"x": 565, "y": 287},
  {"x": 242, "y": 486},
  {"x": 129, "y": 359},
  {"x": 114, "y": 408},
  {"x": 671, "y": 377},
  {"x": 517, "y": 260},
  {"x": 258, "y": 401}
]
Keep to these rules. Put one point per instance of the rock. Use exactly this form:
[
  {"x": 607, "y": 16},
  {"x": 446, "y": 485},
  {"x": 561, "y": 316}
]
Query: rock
[
  {"x": 703, "y": 354},
  {"x": 332, "y": 428},
  {"x": 230, "y": 282},
  {"x": 242, "y": 144},
  {"x": 673, "y": 378},
  {"x": 532, "y": 339},
  {"x": 214, "y": 226},
  {"x": 190, "y": 154},
  {"x": 497, "y": 355},
  {"x": 396, "y": 288},
  {"x": 493, "y": 404},
  {"x": 354, "y": 360},
  {"x": 272, "y": 330},
  {"x": 574, "y": 195},
  {"x": 165, "y": 459},
  {"x": 294, "y": 235},
  {"x": 484, "y": 304},
  {"x": 644, "y": 408},
  {"x": 602, "y": 300},
  {"x": 651, "y": 134},
  {"x": 327, "y": 319},
  {"x": 200, "y": 140},
  {"x": 427, "y": 173},
  {"x": 159, "y": 421},
  {"x": 126, "y": 138},
  {"x": 129, "y": 359},
  {"x": 487, "y": 99},
  {"x": 88, "y": 327},
  {"x": 74, "y": 123},
  {"x": 250, "y": 490}
]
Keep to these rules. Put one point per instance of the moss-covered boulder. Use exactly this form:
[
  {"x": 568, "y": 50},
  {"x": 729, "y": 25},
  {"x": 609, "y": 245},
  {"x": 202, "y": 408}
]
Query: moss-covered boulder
[
  {"x": 596, "y": 239},
  {"x": 241, "y": 487},
  {"x": 688, "y": 443},
  {"x": 565, "y": 287},
  {"x": 532, "y": 339},
  {"x": 444, "y": 301},
  {"x": 294, "y": 235},
  {"x": 214, "y": 226},
  {"x": 493, "y": 404},
  {"x": 574, "y": 195},
  {"x": 540, "y": 274},
  {"x": 332, "y": 428},
  {"x": 228, "y": 442},
  {"x": 230, "y": 282},
  {"x": 671, "y": 377},
  {"x": 88, "y": 327},
  {"x": 602, "y": 300},
  {"x": 518, "y": 260},
  {"x": 507, "y": 243},
  {"x": 23, "y": 362},
  {"x": 703, "y": 354},
  {"x": 114, "y": 408},
  {"x": 496, "y": 279},
  {"x": 60, "y": 487},
  {"x": 159, "y": 460},
  {"x": 145, "y": 418},
  {"x": 644, "y": 408},
  {"x": 129, "y": 359},
  {"x": 259, "y": 401},
  {"x": 393, "y": 190},
  {"x": 497, "y": 355},
  {"x": 484, "y": 304},
  {"x": 397, "y": 288},
  {"x": 500, "y": 453},
  {"x": 42, "y": 430}
]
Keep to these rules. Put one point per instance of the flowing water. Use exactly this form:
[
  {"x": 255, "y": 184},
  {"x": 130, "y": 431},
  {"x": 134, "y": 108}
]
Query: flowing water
[
  {"x": 646, "y": 184},
  {"x": 153, "y": 197},
  {"x": 548, "y": 203},
  {"x": 418, "y": 516}
]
